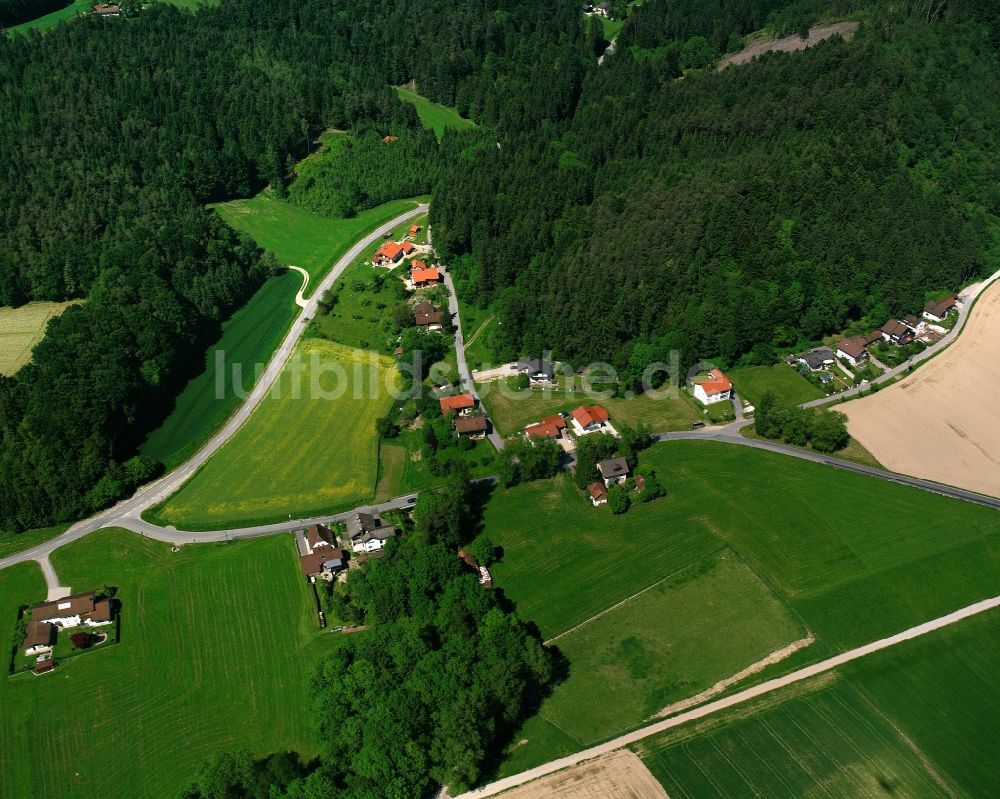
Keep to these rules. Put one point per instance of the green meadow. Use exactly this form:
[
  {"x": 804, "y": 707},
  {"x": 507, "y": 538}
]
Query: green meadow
[
  {"x": 303, "y": 451},
  {"x": 787, "y": 385},
  {"x": 16, "y": 542},
  {"x": 302, "y": 238},
  {"x": 248, "y": 340},
  {"x": 435, "y": 116},
  {"x": 53, "y": 18},
  {"x": 217, "y": 645}
]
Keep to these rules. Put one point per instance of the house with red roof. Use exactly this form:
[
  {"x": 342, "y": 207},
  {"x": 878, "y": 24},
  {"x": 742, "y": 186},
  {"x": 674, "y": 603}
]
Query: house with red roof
[
  {"x": 457, "y": 403},
  {"x": 598, "y": 493},
  {"x": 415, "y": 229},
  {"x": 388, "y": 253},
  {"x": 425, "y": 277},
  {"x": 549, "y": 427},
  {"x": 716, "y": 388},
  {"x": 590, "y": 419}
]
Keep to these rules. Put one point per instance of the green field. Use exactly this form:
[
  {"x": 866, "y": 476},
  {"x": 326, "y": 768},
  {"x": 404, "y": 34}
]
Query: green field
[
  {"x": 218, "y": 641},
  {"x": 300, "y": 455},
  {"x": 512, "y": 410},
  {"x": 565, "y": 561},
  {"x": 17, "y": 542},
  {"x": 21, "y": 329},
  {"x": 300, "y": 237},
  {"x": 248, "y": 340},
  {"x": 676, "y": 640},
  {"x": 830, "y": 743},
  {"x": 53, "y": 18},
  {"x": 435, "y": 116},
  {"x": 787, "y": 385}
]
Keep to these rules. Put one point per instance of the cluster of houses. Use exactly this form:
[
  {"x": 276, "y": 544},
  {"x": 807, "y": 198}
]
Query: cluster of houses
[
  {"x": 47, "y": 620},
  {"x": 467, "y": 419},
  {"x": 581, "y": 421},
  {"x": 321, "y": 555},
  {"x": 613, "y": 471}
]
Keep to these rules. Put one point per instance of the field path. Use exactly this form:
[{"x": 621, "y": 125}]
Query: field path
[
  {"x": 739, "y": 698},
  {"x": 300, "y": 299}
]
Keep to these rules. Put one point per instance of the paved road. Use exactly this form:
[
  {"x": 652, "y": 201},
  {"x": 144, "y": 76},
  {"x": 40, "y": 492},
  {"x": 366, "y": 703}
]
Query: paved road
[
  {"x": 127, "y": 513},
  {"x": 464, "y": 376},
  {"x": 739, "y": 698},
  {"x": 970, "y": 295}
]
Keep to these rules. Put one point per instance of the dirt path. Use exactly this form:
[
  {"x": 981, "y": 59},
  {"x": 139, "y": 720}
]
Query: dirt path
[
  {"x": 734, "y": 700},
  {"x": 300, "y": 300},
  {"x": 790, "y": 43},
  {"x": 940, "y": 422}
]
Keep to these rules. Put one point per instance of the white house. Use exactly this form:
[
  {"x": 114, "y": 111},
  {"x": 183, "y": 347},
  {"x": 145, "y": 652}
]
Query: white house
[
  {"x": 613, "y": 470},
  {"x": 598, "y": 493},
  {"x": 853, "y": 350},
  {"x": 368, "y": 532},
  {"x": 38, "y": 637},
  {"x": 938, "y": 311},
  {"x": 591, "y": 419},
  {"x": 73, "y": 611},
  {"x": 716, "y": 389}
]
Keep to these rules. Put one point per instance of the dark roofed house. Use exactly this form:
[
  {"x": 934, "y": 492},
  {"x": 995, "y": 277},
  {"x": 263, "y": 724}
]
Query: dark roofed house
[
  {"x": 107, "y": 10},
  {"x": 937, "y": 311},
  {"x": 853, "y": 350},
  {"x": 68, "y": 612},
  {"x": 369, "y": 532},
  {"x": 895, "y": 332},
  {"x": 102, "y": 614},
  {"x": 319, "y": 536},
  {"x": 817, "y": 359},
  {"x": 39, "y": 636},
  {"x": 912, "y": 321},
  {"x": 473, "y": 426},
  {"x": 427, "y": 316},
  {"x": 538, "y": 370},
  {"x": 613, "y": 470},
  {"x": 325, "y": 562}
]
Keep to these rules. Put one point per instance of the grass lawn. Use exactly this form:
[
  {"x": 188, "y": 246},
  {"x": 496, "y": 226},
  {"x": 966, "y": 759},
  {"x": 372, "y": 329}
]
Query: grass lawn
[
  {"x": 831, "y": 743},
  {"x": 21, "y": 329},
  {"x": 833, "y": 560},
  {"x": 401, "y": 469},
  {"x": 17, "y": 542},
  {"x": 53, "y": 18},
  {"x": 611, "y": 27},
  {"x": 512, "y": 410},
  {"x": 218, "y": 642},
  {"x": 300, "y": 237},
  {"x": 787, "y": 385},
  {"x": 301, "y": 455},
  {"x": 435, "y": 116},
  {"x": 706, "y": 623},
  {"x": 248, "y": 340}
]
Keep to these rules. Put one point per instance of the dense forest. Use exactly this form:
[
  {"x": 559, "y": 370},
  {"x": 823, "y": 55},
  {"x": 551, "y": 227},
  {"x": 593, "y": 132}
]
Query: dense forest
[
  {"x": 729, "y": 213},
  {"x": 115, "y": 133}
]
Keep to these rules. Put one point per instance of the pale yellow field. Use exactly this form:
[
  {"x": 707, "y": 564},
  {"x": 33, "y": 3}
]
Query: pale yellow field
[
  {"x": 941, "y": 422},
  {"x": 21, "y": 329},
  {"x": 619, "y": 775}
]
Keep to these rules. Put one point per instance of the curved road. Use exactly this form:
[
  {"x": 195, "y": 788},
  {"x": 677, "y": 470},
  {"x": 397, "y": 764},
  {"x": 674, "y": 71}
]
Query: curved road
[{"x": 127, "y": 513}]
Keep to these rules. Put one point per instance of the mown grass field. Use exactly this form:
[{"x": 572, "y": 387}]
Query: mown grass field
[
  {"x": 16, "y": 542},
  {"x": 248, "y": 340},
  {"x": 787, "y": 385},
  {"x": 218, "y": 641},
  {"x": 50, "y": 20},
  {"x": 830, "y": 743},
  {"x": 21, "y": 329},
  {"x": 301, "y": 453},
  {"x": 512, "y": 410},
  {"x": 435, "y": 116},
  {"x": 300, "y": 237},
  {"x": 702, "y": 625},
  {"x": 565, "y": 560}
]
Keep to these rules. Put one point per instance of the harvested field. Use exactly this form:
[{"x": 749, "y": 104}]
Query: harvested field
[
  {"x": 619, "y": 775},
  {"x": 790, "y": 44},
  {"x": 21, "y": 329},
  {"x": 939, "y": 423}
]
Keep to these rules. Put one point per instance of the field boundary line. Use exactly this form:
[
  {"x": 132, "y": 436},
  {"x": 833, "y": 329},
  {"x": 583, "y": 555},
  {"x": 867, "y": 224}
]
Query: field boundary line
[
  {"x": 637, "y": 594},
  {"x": 737, "y": 699},
  {"x": 478, "y": 332}
]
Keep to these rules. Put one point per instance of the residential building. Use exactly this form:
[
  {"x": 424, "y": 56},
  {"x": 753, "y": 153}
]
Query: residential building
[
  {"x": 613, "y": 470},
  {"x": 590, "y": 419},
  {"x": 817, "y": 359},
  {"x": 938, "y": 311},
  {"x": 388, "y": 253},
  {"x": 425, "y": 315},
  {"x": 549, "y": 427},
  {"x": 457, "y": 403},
  {"x": 425, "y": 277},
  {"x": 368, "y": 532},
  {"x": 107, "y": 10},
  {"x": 39, "y": 636},
  {"x": 538, "y": 370},
  {"x": 716, "y": 389},
  {"x": 913, "y": 322},
  {"x": 603, "y": 9},
  {"x": 325, "y": 562},
  {"x": 474, "y": 426},
  {"x": 895, "y": 332},
  {"x": 74, "y": 611},
  {"x": 319, "y": 536},
  {"x": 407, "y": 248},
  {"x": 415, "y": 229},
  {"x": 853, "y": 350},
  {"x": 598, "y": 493}
]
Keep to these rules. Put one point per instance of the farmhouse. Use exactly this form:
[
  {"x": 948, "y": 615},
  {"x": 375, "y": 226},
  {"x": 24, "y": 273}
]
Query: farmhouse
[
  {"x": 319, "y": 536},
  {"x": 853, "y": 350},
  {"x": 817, "y": 359},
  {"x": 457, "y": 403},
  {"x": 324, "y": 562},
  {"x": 107, "y": 10},
  {"x": 538, "y": 370},
  {"x": 549, "y": 427},
  {"x": 716, "y": 389},
  {"x": 598, "y": 493},
  {"x": 368, "y": 532},
  {"x": 937, "y": 311},
  {"x": 390, "y": 253},
  {"x": 613, "y": 470},
  {"x": 39, "y": 636},
  {"x": 474, "y": 426},
  {"x": 425, "y": 277},
  {"x": 895, "y": 332},
  {"x": 426, "y": 316},
  {"x": 589, "y": 419},
  {"x": 74, "y": 611}
]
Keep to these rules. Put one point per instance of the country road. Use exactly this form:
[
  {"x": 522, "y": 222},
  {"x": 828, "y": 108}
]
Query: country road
[
  {"x": 734, "y": 700},
  {"x": 127, "y": 512}
]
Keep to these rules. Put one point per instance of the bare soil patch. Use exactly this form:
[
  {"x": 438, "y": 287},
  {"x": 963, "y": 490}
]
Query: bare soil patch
[
  {"x": 940, "y": 423},
  {"x": 619, "y": 775},
  {"x": 790, "y": 43}
]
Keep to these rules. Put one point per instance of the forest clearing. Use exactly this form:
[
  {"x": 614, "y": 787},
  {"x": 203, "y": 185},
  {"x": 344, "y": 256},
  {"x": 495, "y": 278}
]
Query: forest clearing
[
  {"x": 939, "y": 423},
  {"x": 789, "y": 44},
  {"x": 21, "y": 329}
]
